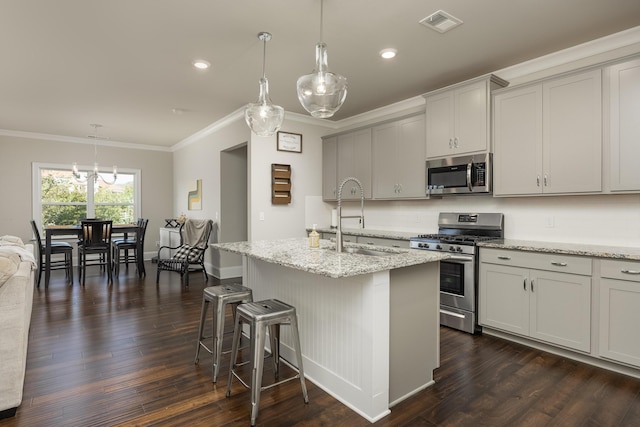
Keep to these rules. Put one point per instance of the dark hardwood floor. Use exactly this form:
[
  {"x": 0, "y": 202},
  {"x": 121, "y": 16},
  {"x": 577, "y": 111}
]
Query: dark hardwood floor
[{"x": 104, "y": 355}]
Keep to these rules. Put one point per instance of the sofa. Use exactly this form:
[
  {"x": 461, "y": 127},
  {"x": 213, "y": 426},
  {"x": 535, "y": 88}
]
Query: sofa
[{"x": 17, "y": 275}]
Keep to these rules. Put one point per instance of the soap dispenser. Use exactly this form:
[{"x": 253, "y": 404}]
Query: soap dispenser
[{"x": 314, "y": 238}]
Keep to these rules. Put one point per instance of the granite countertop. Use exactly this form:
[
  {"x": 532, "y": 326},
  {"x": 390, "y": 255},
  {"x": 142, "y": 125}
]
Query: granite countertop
[
  {"x": 599, "y": 251},
  {"x": 365, "y": 232},
  {"x": 295, "y": 253}
]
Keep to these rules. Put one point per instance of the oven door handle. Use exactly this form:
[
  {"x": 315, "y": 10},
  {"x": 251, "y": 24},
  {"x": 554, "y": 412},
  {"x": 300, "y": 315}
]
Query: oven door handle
[
  {"x": 469, "y": 167},
  {"x": 459, "y": 258}
]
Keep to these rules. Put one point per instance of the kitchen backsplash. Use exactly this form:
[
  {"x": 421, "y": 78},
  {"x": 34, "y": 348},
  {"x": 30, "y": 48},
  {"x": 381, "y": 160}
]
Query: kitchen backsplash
[{"x": 594, "y": 219}]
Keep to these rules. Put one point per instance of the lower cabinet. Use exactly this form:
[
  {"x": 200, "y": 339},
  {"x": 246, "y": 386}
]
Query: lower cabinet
[
  {"x": 620, "y": 311},
  {"x": 379, "y": 241},
  {"x": 517, "y": 295}
]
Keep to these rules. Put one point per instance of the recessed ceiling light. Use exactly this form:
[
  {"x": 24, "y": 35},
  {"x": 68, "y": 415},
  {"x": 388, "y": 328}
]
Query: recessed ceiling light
[
  {"x": 201, "y": 64},
  {"x": 388, "y": 53}
]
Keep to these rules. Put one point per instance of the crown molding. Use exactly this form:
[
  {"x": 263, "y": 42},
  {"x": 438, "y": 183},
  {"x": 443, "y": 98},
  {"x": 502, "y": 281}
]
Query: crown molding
[{"x": 78, "y": 140}]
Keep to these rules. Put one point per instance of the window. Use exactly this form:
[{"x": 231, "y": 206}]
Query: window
[{"x": 60, "y": 199}]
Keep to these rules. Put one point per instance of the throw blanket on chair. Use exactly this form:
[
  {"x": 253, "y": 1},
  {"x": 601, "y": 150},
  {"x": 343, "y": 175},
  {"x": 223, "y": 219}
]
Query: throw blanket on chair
[{"x": 195, "y": 232}]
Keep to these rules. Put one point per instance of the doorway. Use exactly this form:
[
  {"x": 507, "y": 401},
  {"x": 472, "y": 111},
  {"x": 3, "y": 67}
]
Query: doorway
[{"x": 233, "y": 207}]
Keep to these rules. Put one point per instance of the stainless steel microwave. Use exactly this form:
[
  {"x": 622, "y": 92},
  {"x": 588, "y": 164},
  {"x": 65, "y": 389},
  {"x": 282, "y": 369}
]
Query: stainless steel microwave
[{"x": 460, "y": 175}]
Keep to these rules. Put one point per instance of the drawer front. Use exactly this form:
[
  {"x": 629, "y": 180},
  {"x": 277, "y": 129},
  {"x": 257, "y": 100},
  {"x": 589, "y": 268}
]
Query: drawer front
[
  {"x": 377, "y": 241},
  {"x": 622, "y": 270},
  {"x": 539, "y": 261}
]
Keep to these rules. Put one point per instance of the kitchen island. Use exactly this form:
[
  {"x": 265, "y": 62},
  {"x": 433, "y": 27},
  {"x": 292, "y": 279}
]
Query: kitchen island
[{"x": 369, "y": 324}]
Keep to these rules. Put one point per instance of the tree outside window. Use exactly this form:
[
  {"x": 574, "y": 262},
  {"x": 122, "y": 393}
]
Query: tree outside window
[{"x": 63, "y": 200}]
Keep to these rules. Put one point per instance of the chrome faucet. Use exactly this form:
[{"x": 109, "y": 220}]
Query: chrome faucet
[{"x": 339, "y": 245}]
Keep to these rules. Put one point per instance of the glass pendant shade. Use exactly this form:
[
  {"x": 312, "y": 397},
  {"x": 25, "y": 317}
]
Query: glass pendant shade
[
  {"x": 263, "y": 117},
  {"x": 322, "y": 92}
]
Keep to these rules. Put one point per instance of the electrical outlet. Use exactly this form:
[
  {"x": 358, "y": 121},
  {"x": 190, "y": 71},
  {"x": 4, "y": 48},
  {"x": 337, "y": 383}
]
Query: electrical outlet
[
  {"x": 549, "y": 222},
  {"x": 261, "y": 216}
]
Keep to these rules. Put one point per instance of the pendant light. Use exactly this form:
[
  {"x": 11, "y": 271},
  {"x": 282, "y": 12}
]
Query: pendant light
[
  {"x": 94, "y": 174},
  {"x": 263, "y": 117},
  {"x": 322, "y": 92}
]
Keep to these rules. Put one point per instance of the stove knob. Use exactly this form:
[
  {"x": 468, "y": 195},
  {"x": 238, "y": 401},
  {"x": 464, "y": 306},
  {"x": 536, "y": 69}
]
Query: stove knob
[
  {"x": 459, "y": 249},
  {"x": 438, "y": 247},
  {"x": 452, "y": 249}
]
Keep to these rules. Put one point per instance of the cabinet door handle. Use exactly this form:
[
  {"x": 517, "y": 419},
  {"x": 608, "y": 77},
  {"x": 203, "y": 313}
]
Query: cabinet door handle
[
  {"x": 395, "y": 246},
  {"x": 450, "y": 142},
  {"x": 455, "y": 142},
  {"x": 559, "y": 264},
  {"x": 630, "y": 271},
  {"x": 370, "y": 243},
  {"x": 532, "y": 283},
  {"x": 504, "y": 257},
  {"x": 524, "y": 283},
  {"x": 545, "y": 181},
  {"x": 399, "y": 188},
  {"x": 538, "y": 180}
]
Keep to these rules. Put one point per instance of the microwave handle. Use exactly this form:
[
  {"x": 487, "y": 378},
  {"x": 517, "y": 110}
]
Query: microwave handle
[{"x": 469, "y": 183}]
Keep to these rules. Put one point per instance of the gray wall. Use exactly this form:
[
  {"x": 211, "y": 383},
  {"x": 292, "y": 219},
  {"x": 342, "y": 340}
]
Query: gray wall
[{"x": 17, "y": 155}]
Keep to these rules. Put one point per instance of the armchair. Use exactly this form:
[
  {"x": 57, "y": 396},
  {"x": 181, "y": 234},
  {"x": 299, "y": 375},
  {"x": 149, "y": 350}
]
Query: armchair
[{"x": 189, "y": 256}]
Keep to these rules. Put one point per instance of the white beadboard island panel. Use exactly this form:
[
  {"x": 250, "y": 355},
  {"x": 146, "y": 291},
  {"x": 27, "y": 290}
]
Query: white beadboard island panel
[{"x": 370, "y": 340}]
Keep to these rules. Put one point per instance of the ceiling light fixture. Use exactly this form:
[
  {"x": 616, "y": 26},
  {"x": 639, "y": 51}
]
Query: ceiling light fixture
[
  {"x": 94, "y": 174},
  {"x": 441, "y": 21},
  {"x": 388, "y": 53},
  {"x": 263, "y": 117},
  {"x": 322, "y": 92},
  {"x": 201, "y": 64}
]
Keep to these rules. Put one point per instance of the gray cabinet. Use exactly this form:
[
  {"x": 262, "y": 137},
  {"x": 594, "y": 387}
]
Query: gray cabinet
[
  {"x": 380, "y": 241},
  {"x": 330, "y": 168},
  {"x": 620, "y": 311},
  {"x": 399, "y": 159},
  {"x": 354, "y": 159},
  {"x": 458, "y": 118},
  {"x": 548, "y": 136},
  {"x": 624, "y": 132},
  {"x": 541, "y": 296}
]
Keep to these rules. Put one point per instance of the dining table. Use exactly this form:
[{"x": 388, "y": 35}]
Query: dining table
[{"x": 76, "y": 231}]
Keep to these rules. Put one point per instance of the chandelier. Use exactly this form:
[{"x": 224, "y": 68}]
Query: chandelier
[
  {"x": 263, "y": 117},
  {"x": 322, "y": 92},
  {"x": 93, "y": 174}
]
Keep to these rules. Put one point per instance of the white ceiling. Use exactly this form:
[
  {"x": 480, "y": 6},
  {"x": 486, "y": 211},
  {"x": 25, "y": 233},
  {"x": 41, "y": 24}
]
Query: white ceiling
[{"x": 127, "y": 63}]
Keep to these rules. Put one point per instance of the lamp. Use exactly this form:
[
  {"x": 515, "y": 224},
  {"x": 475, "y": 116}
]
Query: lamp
[
  {"x": 322, "y": 92},
  {"x": 94, "y": 173},
  {"x": 263, "y": 117}
]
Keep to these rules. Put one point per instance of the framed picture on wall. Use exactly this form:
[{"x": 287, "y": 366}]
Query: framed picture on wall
[{"x": 288, "y": 141}]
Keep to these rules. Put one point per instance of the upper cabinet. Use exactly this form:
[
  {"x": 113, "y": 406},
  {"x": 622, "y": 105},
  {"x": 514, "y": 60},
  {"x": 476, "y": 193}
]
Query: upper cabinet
[
  {"x": 354, "y": 160},
  {"x": 399, "y": 159},
  {"x": 346, "y": 155},
  {"x": 624, "y": 131},
  {"x": 458, "y": 118},
  {"x": 330, "y": 168},
  {"x": 548, "y": 136}
]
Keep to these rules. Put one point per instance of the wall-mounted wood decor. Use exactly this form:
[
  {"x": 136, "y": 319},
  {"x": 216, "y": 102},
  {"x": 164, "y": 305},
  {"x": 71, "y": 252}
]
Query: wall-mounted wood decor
[{"x": 280, "y": 184}]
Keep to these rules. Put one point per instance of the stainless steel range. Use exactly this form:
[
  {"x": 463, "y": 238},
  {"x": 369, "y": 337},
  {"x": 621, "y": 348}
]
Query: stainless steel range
[{"x": 458, "y": 234}]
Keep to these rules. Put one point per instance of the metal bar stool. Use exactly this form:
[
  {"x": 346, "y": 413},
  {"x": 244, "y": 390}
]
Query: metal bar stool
[
  {"x": 220, "y": 295},
  {"x": 260, "y": 315}
]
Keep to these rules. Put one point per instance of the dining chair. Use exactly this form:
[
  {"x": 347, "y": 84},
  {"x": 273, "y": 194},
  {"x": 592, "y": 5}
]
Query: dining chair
[
  {"x": 64, "y": 248},
  {"x": 130, "y": 243},
  {"x": 96, "y": 240}
]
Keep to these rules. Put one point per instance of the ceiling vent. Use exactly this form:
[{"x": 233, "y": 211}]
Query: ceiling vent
[{"x": 440, "y": 21}]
